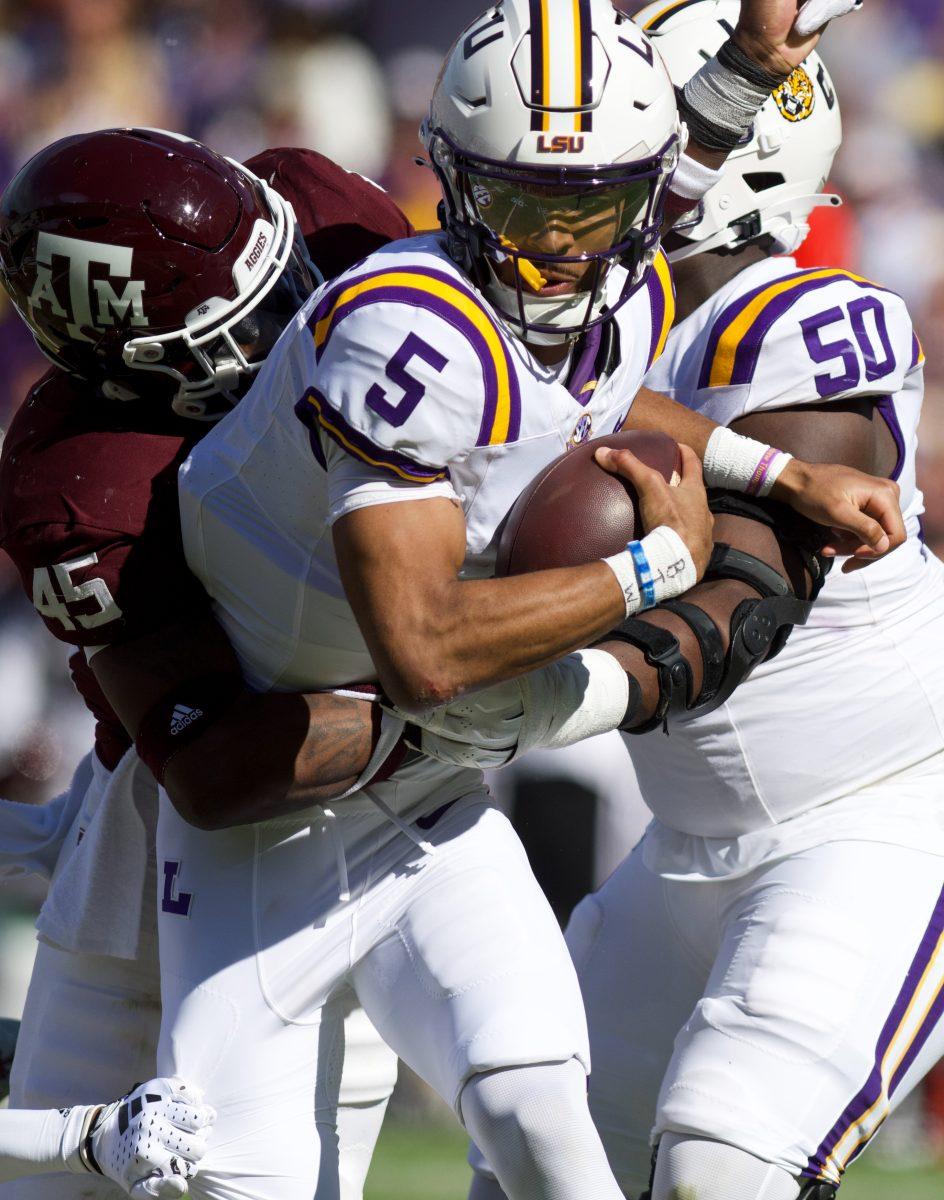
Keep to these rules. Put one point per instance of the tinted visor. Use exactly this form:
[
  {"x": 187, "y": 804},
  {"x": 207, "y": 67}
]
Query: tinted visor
[{"x": 556, "y": 220}]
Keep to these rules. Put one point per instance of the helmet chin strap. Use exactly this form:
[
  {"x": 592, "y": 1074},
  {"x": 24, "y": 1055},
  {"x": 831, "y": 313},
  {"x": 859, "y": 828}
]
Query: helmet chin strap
[{"x": 788, "y": 235}]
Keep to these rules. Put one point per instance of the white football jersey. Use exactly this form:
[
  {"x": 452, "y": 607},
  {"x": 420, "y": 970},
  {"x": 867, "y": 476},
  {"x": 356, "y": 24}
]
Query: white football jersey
[
  {"x": 857, "y": 695},
  {"x": 396, "y": 381}
]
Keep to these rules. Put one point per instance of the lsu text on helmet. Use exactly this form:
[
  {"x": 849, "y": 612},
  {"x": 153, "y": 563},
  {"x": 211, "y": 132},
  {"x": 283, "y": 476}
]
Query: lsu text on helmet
[
  {"x": 554, "y": 132},
  {"x": 150, "y": 266},
  {"x": 773, "y": 181}
]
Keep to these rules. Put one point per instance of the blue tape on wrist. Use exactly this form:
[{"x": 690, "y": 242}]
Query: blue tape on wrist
[{"x": 647, "y": 585}]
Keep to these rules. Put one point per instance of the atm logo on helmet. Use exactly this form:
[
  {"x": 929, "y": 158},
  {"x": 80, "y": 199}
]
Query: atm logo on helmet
[
  {"x": 560, "y": 143},
  {"x": 93, "y": 302}
]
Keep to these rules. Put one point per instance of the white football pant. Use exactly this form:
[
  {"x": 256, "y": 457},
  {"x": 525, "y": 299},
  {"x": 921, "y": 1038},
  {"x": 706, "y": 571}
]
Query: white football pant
[
  {"x": 265, "y": 930},
  {"x": 785, "y": 1012}
]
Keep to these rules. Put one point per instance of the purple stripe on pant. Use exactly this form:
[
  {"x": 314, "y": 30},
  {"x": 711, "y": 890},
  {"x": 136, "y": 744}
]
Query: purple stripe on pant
[{"x": 871, "y": 1090}]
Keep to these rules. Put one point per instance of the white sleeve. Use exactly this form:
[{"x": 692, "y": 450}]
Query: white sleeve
[
  {"x": 353, "y": 484},
  {"x": 408, "y": 388},
  {"x": 31, "y": 1141}
]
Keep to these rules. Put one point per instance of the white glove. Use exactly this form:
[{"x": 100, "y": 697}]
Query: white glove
[
  {"x": 814, "y": 14},
  {"x": 148, "y": 1142},
  {"x": 478, "y": 731},
  {"x": 576, "y": 697}
]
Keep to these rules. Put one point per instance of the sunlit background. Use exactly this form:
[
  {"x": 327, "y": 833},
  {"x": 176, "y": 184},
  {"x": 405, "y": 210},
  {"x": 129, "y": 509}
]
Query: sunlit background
[{"x": 351, "y": 78}]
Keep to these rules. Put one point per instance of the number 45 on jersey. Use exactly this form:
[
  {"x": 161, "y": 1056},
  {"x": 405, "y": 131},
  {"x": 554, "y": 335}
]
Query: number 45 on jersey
[{"x": 56, "y": 596}]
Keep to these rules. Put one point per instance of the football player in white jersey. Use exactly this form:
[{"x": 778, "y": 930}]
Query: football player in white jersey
[
  {"x": 401, "y": 408},
  {"x": 764, "y": 976}
]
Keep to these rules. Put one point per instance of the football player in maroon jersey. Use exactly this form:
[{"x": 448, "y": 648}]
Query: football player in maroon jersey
[{"x": 168, "y": 240}]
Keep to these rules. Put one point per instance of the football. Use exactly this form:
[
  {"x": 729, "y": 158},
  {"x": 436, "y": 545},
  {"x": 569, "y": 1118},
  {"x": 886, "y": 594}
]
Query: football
[{"x": 574, "y": 512}]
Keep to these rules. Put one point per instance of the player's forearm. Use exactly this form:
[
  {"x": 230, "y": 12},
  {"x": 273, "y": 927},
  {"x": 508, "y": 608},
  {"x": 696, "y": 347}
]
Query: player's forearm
[
  {"x": 472, "y": 633},
  {"x": 271, "y": 755},
  {"x": 653, "y": 412}
]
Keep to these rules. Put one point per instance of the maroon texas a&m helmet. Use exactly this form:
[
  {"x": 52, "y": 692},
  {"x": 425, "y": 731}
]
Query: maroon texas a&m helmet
[{"x": 151, "y": 266}]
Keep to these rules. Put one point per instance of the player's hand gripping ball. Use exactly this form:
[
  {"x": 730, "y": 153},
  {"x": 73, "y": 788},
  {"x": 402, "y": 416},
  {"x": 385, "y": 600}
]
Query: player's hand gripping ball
[{"x": 574, "y": 511}]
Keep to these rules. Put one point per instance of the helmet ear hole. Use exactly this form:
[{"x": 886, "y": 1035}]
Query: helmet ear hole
[{"x": 761, "y": 181}]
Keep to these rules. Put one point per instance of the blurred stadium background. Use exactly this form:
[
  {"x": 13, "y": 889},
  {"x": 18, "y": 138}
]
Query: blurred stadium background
[{"x": 351, "y": 78}]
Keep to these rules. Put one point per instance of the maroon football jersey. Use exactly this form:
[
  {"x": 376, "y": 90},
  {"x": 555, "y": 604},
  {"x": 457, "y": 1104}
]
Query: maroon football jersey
[
  {"x": 88, "y": 512},
  {"x": 88, "y": 487},
  {"x": 343, "y": 217}
]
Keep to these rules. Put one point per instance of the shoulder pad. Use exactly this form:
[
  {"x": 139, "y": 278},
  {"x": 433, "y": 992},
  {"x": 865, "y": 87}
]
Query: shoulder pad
[
  {"x": 412, "y": 370},
  {"x": 814, "y": 334}
]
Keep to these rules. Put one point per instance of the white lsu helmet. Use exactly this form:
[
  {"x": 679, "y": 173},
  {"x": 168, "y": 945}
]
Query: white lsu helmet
[
  {"x": 544, "y": 106},
  {"x": 771, "y": 183}
]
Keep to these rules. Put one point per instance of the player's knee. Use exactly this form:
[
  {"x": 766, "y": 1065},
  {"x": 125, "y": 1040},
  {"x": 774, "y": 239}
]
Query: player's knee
[
  {"x": 522, "y": 1110},
  {"x": 697, "y": 1168}
]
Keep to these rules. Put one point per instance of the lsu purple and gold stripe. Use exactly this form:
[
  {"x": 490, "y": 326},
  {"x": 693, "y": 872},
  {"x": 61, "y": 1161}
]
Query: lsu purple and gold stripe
[
  {"x": 738, "y": 334},
  {"x": 439, "y": 293},
  {"x": 918, "y": 1007},
  {"x": 917, "y": 352},
  {"x": 657, "y": 20},
  {"x": 662, "y": 305},
  {"x": 583, "y": 65},
  {"x": 561, "y": 62},
  {"x": 314, "y": 411}
]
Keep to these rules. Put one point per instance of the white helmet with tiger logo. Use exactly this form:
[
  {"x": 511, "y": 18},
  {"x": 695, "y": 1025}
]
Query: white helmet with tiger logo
[
  {"x": 771, "y": 183},
  {"x": 554, "y": 133}
]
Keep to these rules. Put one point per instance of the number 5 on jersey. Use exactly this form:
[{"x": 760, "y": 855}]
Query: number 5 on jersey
[{"x": 54, "y": 591}]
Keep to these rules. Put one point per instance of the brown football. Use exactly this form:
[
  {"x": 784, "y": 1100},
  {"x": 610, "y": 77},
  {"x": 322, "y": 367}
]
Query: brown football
[{"x": 574, "y": 512}]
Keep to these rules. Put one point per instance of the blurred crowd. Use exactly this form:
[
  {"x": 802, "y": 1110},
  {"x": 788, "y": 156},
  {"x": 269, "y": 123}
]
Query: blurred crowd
[{"x": 351, "y": 78}]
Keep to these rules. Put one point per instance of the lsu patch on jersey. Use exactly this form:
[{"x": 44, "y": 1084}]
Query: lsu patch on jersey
[
  {"x": 395, "y": 381},
  {"x": 857, "y": 695}
]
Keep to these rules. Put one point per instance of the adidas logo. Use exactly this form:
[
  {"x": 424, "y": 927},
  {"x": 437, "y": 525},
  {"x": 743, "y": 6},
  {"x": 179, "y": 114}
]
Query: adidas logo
[{"x": 183, "y": 716}]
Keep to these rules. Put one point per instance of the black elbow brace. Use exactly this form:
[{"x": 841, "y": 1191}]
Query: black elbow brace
[{"x": 758, "y": 629}]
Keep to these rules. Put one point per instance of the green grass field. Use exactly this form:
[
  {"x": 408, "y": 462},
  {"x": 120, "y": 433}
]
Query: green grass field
[{"x": 423, "y": 1162}]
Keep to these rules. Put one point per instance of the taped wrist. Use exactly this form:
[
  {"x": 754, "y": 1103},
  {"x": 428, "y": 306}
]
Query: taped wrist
[
  {"x": 577, "y": 697},
  {"x": 182, "y": 716},
  {"x": 658, "y": 567},
  {"x": 694, "y": 180},
  {"x": 741, "y": 463},
  {"x": 721, "y": 100}
]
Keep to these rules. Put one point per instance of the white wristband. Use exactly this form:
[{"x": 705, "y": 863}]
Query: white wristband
[
  {"x": 693, "y": 180},
  {"x": 742, "y": 464},
  {"x": 624, "y": 569},
  {"x": 658, "y": 567}
]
